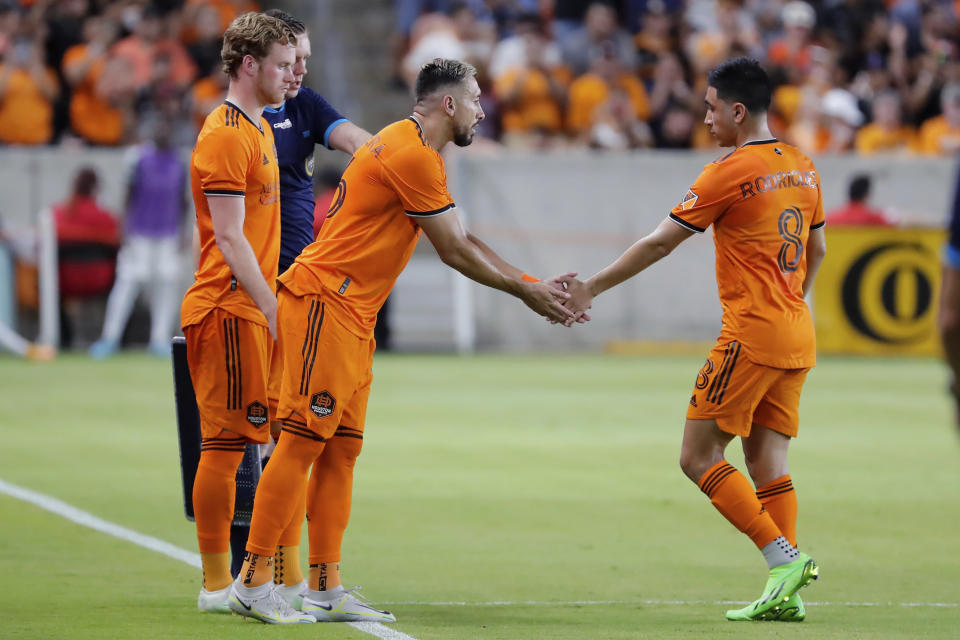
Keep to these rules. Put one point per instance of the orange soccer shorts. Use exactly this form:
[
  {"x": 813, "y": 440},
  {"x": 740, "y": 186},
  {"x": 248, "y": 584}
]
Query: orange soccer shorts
[
  {"x": 738, "y": 393},
  {"x": 327, "y": 370},
  {"x": 229, "y": 360}
]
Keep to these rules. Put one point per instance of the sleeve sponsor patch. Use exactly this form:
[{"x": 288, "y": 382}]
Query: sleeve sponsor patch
[{"x": 689, "y": 200}]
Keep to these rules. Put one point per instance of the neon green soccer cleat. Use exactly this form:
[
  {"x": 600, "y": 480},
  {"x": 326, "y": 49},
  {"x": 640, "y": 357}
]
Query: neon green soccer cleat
[{"x": 778, "y": 602}]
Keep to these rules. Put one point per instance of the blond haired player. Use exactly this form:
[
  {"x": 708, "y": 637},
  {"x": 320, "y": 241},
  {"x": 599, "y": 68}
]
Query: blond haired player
[
  {"x": 764, "y": 202},
  {"x": 394, "y": 187},
  {"x": 229, "y": 314}
]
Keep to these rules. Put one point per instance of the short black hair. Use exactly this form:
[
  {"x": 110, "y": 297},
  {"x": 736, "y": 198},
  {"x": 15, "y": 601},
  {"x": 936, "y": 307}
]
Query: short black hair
[
  {"x": 439, "y": 73},
  {"x": 859, "y": 187},
  {"x": 298, "y": 27},
  {"x": 742, "y": 80}
]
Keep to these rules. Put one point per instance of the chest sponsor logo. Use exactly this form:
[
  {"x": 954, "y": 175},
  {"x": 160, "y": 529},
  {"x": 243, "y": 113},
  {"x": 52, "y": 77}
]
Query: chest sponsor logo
[
  {"x": 286, "y": 124},
  {"x": 270, "y": 193},
  {"x": 322, "y": 404}
]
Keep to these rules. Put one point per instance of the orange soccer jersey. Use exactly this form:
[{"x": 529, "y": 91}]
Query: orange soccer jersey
[
  {"x": 762, "y": 200},
  {"x": 371, "y": 228},
  {"x": 234, "y": 157}
]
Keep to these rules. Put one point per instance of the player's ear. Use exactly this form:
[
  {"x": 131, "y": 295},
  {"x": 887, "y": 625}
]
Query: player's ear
[
  {"x": 739, "y": 112},
  {"x": 449, "y": 104},
  {"x": 249, "y": 64}
]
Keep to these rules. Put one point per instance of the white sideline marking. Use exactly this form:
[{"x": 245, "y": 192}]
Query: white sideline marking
[
  {"x": 377, "y": 629},
  {"x": 587, "y": 603},
  {"x": 91, "y": 521},
  {"x": 87, "y": 519},
  {"x": 380, "y": 630}
]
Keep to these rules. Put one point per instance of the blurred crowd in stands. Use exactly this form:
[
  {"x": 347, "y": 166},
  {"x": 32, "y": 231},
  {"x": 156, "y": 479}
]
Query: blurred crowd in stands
[
  {"x": 101, "y": 72},
  {"x": 859, "y": 76}
]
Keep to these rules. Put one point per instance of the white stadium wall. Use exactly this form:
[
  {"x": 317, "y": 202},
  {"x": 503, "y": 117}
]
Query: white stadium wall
[{"x": 545, "y": 213}]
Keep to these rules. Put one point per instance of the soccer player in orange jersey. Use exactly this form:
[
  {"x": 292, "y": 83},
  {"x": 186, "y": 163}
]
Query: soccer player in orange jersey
[
  {"x": 764, "y": 202},
  {"x": 394, "y": 187},
  {"x": 229, "y": 314}
]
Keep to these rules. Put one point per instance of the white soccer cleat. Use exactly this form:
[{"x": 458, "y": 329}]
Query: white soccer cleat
[
  {"x": 343, "y": 606},
  {"x": 293, "y": 594},
  {"x": 214, "y": 601},
  {"x": 271, "y": 608}
]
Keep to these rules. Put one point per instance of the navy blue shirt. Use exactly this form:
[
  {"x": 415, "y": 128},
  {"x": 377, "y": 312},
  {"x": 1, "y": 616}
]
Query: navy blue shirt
[
  {"x": 953, "y": 244},
  {"x": 298, "y": 125}
]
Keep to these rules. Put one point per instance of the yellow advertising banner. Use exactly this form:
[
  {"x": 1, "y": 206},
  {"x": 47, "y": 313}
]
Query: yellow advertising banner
[{"x": 878, "y": 291}]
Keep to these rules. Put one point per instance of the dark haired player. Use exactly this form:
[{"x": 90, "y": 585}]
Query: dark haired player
[
  {"x": 394, "y": 187},
  {"x": 764, "y": 202},
  {"x": 299, "y": 123}
]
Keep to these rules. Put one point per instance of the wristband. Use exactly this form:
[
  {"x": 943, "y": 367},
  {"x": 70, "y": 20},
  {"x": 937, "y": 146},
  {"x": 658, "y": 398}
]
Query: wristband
[{"x": 527, "y": 278}]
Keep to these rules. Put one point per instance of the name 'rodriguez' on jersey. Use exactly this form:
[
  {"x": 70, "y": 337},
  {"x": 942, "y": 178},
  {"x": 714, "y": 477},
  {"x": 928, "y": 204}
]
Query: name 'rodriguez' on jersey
[{"x": 762, "y": 200}]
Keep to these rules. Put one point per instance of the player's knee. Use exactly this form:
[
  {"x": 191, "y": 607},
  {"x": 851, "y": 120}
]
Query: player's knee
[
  {"x": 348, "y": 449},
  {"x": 690, "y": 464},
  {"x": 754, "y": 463}
]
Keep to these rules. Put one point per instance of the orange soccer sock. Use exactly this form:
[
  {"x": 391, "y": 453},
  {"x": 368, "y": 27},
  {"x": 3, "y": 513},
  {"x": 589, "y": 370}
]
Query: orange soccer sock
[
  {"x": 329, "y": 498},
  {"x": 281, "y": 491},
  {"x": 780, "y": 501},
  {"x": 214, "y": 492},
  {"x": 324, "y": 576},
  {"x": 286, "y": 570},
  {"x": 732, "y": 494}
]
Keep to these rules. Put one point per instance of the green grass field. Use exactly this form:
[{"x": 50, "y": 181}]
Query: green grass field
[{"x": 495, "y": 492}]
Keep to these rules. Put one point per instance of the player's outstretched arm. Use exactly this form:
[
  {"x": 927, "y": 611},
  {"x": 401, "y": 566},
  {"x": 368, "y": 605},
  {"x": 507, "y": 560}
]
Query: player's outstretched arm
[
  {"x": 557, "y": 282},
  {"x": 463, "y": 252},
  {"x": 638, "y": 257},
  {"x": 228, "y": 214},
  {"x": 816, "y": 251},
  {"x": 348, "y": 137}
]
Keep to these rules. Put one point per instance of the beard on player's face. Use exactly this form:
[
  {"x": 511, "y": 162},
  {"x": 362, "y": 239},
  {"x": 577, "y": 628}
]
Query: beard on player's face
[{"x": 462, "y": 137}]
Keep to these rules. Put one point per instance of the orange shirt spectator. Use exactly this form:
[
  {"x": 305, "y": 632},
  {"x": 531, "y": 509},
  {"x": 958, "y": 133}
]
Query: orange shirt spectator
[
  {"x": 590, "y": 91},
  {"x": 886, "y": 132},
  {"x": 27, "y": 91},
  {"x": 941, "y": 135},
  {"x": 874, "y": 138},
  {"x": 146, "y": 43},
  {"x": 529, "y": 98},
  {"x": 793, "y": 51},
  {"x": 92, "y": 116},
  {"x": 593, "y": 89},
  {"x": 206, "y": 94},
  {"x": 227, "y": 9}
]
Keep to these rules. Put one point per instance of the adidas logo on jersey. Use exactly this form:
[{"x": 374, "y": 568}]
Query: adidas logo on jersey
[{"x": 286, "y": 124}]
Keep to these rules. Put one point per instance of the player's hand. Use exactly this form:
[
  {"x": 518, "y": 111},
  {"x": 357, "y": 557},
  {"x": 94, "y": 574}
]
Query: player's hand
[
  {"x": 546, "y": 300},
  {"x": 580, "y": 298},
  {"x": 271, "y": 315},
  {"x": 560, "y": 282}
]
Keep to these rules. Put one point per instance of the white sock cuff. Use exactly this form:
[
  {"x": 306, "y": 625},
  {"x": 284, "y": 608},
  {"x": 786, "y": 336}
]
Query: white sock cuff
[
  {"x": 324, "y": 596},
  {"x": 252, "y": 592}
]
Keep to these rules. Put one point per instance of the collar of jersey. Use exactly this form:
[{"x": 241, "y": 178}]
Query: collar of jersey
[
  {"x": 245, "y": 116},
  {"x": 767, "y": 141},
  {"x": 272, "y": 110}
]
